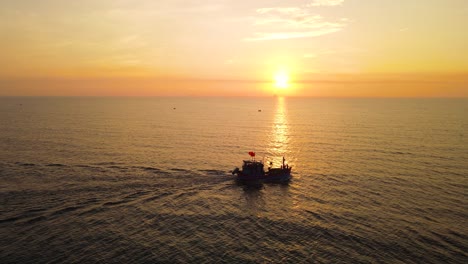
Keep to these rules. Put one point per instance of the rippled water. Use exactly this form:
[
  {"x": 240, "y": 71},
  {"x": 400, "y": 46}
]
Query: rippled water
[{"x": 148, "y": 180}]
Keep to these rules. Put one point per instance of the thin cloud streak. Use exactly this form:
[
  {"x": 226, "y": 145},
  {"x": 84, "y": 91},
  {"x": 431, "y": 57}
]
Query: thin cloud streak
[
  {"x": 326, "y": 3},
  {"x": 292, "y": 35},
  {"x": 292, "y": 22}
]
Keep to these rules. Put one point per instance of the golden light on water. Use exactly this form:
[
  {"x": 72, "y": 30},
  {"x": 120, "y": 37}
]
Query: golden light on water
[{"x": 280, "y": 133}]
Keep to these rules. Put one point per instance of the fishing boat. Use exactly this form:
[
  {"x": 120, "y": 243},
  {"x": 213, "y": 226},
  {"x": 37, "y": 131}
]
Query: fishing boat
[{"x": 253, "y": 171}]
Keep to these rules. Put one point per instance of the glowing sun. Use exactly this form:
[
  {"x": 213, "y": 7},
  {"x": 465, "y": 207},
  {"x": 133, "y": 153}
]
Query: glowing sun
[{"x": 281, "y": 80}]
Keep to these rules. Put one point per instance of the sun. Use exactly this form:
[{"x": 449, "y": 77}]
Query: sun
[{"x": 281, "y": 80}]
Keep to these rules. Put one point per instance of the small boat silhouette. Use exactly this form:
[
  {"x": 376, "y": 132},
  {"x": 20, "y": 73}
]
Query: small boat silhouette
[{"x": 253, "y": 171}]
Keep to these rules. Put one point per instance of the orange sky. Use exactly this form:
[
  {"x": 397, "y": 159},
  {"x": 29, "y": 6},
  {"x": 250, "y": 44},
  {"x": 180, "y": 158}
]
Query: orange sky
[{"x": 339, "y": 48}]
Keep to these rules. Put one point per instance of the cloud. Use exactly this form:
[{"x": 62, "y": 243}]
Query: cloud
[
  {"x": 326, "y": 3},
  {"x": 279, "y": 10},
  {"x": 292, "y": 22},
  {"x": 290, "y": 35}
]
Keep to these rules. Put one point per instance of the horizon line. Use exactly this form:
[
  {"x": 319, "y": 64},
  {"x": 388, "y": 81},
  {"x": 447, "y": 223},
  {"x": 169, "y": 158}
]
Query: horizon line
[{"x": 234, "y": 96}]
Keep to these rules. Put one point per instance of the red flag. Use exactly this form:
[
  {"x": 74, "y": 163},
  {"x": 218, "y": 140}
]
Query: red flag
[{"x": 252, "y": 154}]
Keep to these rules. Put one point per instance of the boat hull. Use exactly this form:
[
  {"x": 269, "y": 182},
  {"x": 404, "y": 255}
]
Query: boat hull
[{"x": 273, "y": 176}]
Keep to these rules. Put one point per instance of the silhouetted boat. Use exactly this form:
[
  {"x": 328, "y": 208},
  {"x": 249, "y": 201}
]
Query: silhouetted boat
[{"x": 253, "y": 172}]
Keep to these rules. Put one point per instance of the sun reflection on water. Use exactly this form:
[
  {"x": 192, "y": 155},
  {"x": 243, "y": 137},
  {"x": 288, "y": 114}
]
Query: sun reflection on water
[{"x": 279, "y": 137}]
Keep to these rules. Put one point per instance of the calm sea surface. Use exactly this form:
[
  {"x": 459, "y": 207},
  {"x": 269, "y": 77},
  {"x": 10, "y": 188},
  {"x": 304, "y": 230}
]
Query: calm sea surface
[{"x": 136, "y": 180}]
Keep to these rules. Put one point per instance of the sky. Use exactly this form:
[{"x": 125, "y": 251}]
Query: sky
[{"x": 320, "y": 48}]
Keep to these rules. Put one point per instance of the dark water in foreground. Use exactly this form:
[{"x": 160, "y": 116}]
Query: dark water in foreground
[{"x": 133, "y": 180}]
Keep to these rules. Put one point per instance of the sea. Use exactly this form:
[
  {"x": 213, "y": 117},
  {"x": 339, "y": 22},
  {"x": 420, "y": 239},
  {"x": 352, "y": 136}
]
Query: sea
[{"x": 148, "y": 180}]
